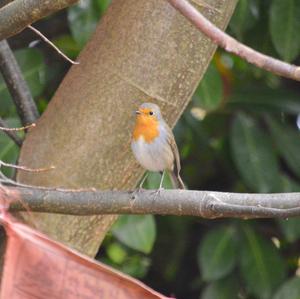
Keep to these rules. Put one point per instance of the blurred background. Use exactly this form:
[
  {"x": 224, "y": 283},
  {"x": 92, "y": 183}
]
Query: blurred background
[{"x": 240, "y": 133}]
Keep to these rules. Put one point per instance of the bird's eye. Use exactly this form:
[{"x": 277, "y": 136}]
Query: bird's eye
[{"x": 151, "y": 113}]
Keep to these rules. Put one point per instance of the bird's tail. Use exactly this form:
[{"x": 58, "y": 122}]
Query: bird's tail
[{"x": 176, "y": 180}]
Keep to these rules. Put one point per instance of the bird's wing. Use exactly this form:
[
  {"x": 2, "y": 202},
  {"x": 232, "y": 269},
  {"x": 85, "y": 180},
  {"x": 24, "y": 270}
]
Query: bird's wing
[{"x": 175, "y": 152}]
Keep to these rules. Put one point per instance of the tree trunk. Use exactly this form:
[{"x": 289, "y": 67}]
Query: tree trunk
[{"x": 141, "y": 51}]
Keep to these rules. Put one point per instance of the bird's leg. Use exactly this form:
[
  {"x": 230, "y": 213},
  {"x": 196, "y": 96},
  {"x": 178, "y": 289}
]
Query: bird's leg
[
  {"x": 139, "y": 188},
  {"x": 143, "y": 181},
  {"x": 157, "y": 192},
  {"x": 162, "y": 173}
]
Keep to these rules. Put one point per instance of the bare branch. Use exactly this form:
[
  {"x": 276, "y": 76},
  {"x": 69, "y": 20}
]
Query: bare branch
[
  {"x": 40, "y": 34},
  {"x": 16, "y": 84},
  {"x": 24, "y": 168},
  {"x": 7, "y": 129},
  {"x": 232, "y": 45},
  {"x": 206, "y": 204},
  {"x": 10, "y": 133},
  {"x": 4, "y": 2},
  {"x": 18, "y": 14}
]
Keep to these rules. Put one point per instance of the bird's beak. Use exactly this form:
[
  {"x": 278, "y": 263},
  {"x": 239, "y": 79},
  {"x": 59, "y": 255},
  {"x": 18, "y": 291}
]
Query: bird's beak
[{"x": 137, "y": 112}]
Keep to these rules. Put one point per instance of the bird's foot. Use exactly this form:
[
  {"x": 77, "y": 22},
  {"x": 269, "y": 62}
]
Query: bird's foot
[{"x": 157, "y": 192}]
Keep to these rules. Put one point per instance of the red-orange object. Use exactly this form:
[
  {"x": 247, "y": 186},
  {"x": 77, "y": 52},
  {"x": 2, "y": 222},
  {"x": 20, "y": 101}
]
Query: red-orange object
[{"x": 37, "y": 267}]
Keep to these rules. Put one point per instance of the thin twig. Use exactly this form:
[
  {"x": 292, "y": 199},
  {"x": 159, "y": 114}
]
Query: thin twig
[
  {"x": 40, "y": 34},
  {"x": 24, "y": 168},
  {"x": 232, "y": 45},
  {"x": 206, "y": 204},
  {"x": 6, "y": 129},
  {"x": 17, "y": 85},
  {"x": 10, "y": 133}
]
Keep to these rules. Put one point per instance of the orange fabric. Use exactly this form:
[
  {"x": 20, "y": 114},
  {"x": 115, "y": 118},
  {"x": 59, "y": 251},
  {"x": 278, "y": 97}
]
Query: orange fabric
[
  {"x": 37, "y": 267},
  {"x": 146, "y": 126}
]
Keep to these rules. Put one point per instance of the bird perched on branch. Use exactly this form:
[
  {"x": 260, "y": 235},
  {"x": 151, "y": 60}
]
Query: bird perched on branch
[{"x": 153, "y": 144}]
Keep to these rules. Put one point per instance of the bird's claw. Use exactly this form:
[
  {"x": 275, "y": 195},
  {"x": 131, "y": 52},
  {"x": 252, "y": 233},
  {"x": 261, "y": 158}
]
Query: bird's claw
[{"x": 157, "y": 192}]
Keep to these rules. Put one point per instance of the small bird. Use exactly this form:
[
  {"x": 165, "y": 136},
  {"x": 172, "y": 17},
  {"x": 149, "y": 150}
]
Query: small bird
[{"x": 153, "y": 144}]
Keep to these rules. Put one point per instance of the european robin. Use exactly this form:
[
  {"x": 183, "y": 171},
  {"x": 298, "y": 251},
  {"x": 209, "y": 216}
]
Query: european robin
[{"x": 153, "y": 144}]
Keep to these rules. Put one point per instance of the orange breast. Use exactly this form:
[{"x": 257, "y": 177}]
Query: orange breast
[{"x": 146, "y": 127}]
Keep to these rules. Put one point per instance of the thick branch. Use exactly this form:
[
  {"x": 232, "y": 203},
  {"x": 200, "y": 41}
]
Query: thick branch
[
  {"x": 232, "y": 45},
  {"x": 17, "y": 85},
  {"x": 206, "y": 204},
  {"x": 18, "y": 14},
  {"x": 4, "y": 2}
]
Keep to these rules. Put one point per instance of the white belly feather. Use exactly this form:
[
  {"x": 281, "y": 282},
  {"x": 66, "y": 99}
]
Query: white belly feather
[{"x": 154, "y": 156}]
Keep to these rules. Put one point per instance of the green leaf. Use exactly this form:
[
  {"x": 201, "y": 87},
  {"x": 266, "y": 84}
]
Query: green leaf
[
  {"x": 265, "y": 100},
  {"x": 261, "y": 265},
  {"x": 287, "y": 141},
  {"x": 116, "y": 253},
  {"x": 67, "y": 45},
  {"x": 217, "y": 253},
  {"x": 136, "y": 266},
  {"x": 289, "y": 185},
  {"x": 33, "y": 69},
  {"x": 32, "y": 64},
  {"x": 245, "y": 16},
  {"x": 290, "y": 229},
  {"x": 137, "y": 232},
  {"x": 289, "y": 290},
  {"x": 210, "y": 90},
  {"x": 254, "y": 155},
  {"x": 153, "y": 181},
  {"x": 102, "y": 5},
  {"x": 222, "y": 289},
  {"x": 83, "y": 19},
  {"x": 284, "y": 27}
]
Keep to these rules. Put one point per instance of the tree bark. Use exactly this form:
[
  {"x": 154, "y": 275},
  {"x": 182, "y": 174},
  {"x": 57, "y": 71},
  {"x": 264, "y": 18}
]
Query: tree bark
[
  {"x": 206, "y": 204},
  {"x": 141, "y": 51}
]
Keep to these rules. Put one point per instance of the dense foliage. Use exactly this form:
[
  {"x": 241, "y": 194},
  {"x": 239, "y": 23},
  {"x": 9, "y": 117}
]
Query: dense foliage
[{"x": 240, "y": 133}]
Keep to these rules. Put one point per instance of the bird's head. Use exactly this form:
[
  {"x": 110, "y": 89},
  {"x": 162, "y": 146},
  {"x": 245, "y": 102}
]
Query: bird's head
[{"x": 148, "y": 113}]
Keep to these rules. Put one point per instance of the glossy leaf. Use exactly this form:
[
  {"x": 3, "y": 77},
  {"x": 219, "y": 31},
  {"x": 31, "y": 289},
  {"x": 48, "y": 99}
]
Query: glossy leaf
[
  {"x": 262, "y": 268},
  {"x": 210, "y": 90},
  {"x": 137, "y": 232},
  {"x": 284, "y": 27},
  {"x": 265, "y": 100},
  {"x": 289, "y": 290},
  {"x": 217, "y": 253},
  {"x": 287, "y": 141},
  {"x": 222, "y": 289},
  {"x": 83, "y": 19},
  {"x": 254, "y": 155}
]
